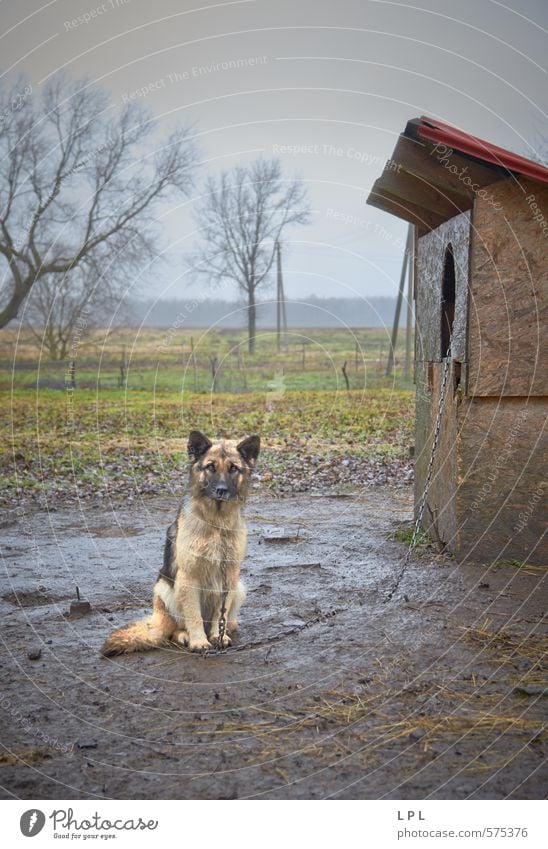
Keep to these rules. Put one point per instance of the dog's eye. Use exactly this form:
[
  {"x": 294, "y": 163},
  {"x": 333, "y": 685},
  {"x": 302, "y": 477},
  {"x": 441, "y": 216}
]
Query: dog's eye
[
  {"x": 233, "y": 469},
  {"x": 210, "y": 467}
]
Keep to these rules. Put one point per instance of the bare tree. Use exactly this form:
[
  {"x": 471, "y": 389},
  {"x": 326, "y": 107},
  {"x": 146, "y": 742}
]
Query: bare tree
[
  {"x": 242, "y": 216},
  {"x": 79, "y": 179},
  {"x": 61, "y": 310}
]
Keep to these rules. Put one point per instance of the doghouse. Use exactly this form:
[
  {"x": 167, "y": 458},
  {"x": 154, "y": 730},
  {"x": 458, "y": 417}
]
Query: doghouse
[{"x": 480, "y": 216}]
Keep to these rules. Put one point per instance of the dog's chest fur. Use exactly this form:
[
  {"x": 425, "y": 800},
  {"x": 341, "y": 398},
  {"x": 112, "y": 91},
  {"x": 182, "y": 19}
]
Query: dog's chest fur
[{"x": 211, "y": 547}]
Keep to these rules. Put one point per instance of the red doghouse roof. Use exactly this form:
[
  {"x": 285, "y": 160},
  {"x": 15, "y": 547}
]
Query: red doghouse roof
[
  {"x": 437, "y": 131},
  {"x": 436, "y": 171}
]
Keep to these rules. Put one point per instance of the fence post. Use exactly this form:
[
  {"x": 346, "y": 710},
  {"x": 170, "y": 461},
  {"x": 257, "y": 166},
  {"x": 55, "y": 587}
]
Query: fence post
[
  {"x": 123, "y": 370},
  {"x": 214, "y": 365},
  {"x": 343, "y": 369}
]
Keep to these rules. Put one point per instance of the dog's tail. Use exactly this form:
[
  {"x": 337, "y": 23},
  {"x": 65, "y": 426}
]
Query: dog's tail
[{"x": 148, "y": 633}]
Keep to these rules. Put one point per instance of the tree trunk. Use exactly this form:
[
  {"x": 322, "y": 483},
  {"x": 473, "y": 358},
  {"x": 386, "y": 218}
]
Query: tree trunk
[
  {"x": 49, "y": 342},
  {"x": 251, "y": 319},
  {"x": 63, "y": 348},
  {"x": 17, "y": 297}
]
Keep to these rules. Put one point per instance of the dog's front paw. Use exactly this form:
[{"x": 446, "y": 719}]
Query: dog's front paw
[
  {"x": 221, "y": 644},
  {"x": 181, "y": 637},
  {"x": 199, "y": 645}
]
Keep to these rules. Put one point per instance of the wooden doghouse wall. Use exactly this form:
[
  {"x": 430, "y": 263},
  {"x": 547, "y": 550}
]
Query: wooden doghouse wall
[
  {"x": 502, "y": 444},
  {"x": 502, "y": 494},
  {"x": 440, "y": 519},
  {"x": 508, "y": 340}
]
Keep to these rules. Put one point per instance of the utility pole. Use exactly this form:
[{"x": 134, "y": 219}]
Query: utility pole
[
  {"x": 395, "y": 326},
  {"x": 410, "y": 297},
  {"x": 281, "y": 317}
]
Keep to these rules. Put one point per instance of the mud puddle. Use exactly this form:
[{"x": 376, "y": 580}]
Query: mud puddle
[{"x": 328, "y": 692}]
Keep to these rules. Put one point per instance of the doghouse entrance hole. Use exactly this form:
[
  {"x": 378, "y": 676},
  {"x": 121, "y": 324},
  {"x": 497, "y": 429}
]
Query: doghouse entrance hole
[{"x": 447, "y": 300}]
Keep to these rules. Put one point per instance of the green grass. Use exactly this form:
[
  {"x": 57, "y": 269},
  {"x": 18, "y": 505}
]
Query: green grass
[
  {"x": 182, "y": 360},
  {"x": 405, "y": 535},
  {"x": 125, "y": 438},
  {"x": 102, "y": 435}
]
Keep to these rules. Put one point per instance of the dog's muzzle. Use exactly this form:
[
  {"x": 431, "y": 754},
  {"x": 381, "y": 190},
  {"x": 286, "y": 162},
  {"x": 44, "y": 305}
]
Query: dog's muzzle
[{"x": 220, "y": 492}]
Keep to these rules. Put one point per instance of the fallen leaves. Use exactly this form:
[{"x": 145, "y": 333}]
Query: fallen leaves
[{"x": 118, "y": 444}]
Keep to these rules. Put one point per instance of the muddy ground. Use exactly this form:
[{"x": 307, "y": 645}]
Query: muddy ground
[{"x": 329, "y": 690}]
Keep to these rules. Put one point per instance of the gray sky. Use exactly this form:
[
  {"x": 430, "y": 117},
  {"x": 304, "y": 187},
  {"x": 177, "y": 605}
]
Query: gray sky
[{"x": 327, "y": 86}]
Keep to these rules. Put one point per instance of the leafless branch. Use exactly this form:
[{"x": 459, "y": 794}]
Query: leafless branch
[
  {"x": 80, "y": 181},
  {"x": 243, "y": 214}
]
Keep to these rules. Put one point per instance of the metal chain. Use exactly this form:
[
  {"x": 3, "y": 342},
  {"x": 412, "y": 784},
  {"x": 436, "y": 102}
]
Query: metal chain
[
  {"x": 423, "y": 499},
  {"x": 280, "y": 635},
  {"x": 222, "y": 616},
  {"x": 222, "y": 619},
  {"x": 420, "y": 513}
]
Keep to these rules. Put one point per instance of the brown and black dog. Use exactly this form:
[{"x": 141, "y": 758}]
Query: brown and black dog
[{"x": 203, "y": 553}]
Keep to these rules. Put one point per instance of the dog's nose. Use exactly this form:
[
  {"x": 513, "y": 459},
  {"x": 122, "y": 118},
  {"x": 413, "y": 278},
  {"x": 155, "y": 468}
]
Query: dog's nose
[{"x": 221, "y": 490}]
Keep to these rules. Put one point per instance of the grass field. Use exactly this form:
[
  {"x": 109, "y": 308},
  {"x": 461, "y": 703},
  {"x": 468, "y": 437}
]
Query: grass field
[
  {"x": 203, "y": 360},
  {"x": 124, "y": 434}
]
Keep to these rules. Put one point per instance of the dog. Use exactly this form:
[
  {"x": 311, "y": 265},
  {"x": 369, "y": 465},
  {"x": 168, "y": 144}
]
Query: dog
[{"x": 198, "y": 589}]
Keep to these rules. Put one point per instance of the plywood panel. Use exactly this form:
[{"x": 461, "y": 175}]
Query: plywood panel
[
  {"x": 502, "y": 495},
  {"x": 420, "y": 157},
  {"x": 412, "y": 188},
  {"x": 421, "y": 218},
  {"x": 508, "y": 339},
  {"x": 430, "y": 263}
]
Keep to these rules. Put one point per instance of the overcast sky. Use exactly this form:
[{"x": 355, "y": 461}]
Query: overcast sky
[{"x": 327, "y": 86}]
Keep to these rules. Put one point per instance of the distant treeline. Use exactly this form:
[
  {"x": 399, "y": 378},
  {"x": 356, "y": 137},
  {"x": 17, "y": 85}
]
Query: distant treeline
[{"x": 310, "y": 312}]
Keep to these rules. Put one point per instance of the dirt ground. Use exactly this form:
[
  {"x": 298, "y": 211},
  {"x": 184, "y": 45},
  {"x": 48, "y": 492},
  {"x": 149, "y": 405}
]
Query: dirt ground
[{"x": 329, "y": 690}]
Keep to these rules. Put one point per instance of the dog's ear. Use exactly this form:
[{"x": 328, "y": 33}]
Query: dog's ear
[
  {"x": 198, "y": 444},
  {"x": 249, "y": 448}
]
